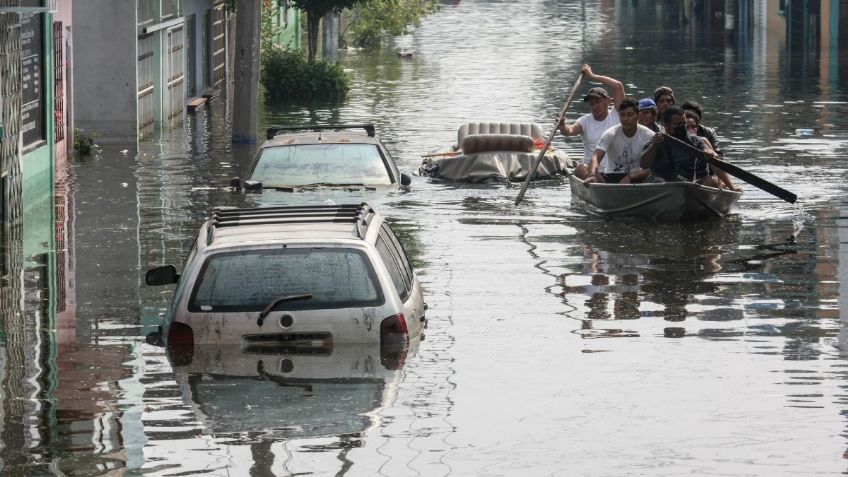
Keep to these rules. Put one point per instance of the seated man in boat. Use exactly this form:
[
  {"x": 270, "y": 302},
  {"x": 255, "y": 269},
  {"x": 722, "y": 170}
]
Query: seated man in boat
[
  {"x": 669, "y": 161},
  {"x": 663, "y": 97},
  {"x": 648, "y": 114},
  {"x": 603, "y": 115},
  {"x": 693, "y": 113},
  {"x": 621, "y": 146}
]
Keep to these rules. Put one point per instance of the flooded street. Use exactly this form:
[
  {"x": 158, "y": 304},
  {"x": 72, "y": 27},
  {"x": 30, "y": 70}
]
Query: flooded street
[{"x": 558, "y": 343}]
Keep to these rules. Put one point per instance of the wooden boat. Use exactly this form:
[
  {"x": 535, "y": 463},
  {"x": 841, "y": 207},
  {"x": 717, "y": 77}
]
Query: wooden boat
[
  {"x": 495, "y": 152},
  {"x": 664, "y": 202}
]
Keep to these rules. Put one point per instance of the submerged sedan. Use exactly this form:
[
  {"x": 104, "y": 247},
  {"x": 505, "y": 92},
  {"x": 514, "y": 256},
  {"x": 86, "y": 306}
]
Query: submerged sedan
[{"x": 298, "y": 158}]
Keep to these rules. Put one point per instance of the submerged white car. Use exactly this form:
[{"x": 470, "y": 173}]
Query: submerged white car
[
  {"x": 344, "y": 156},
  {"x": 293, "y": 279}
]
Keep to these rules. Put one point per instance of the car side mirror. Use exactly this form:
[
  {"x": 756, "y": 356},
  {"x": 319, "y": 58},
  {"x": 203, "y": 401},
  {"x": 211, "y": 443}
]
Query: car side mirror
[
  {"x": 235, "y": 183},
  {"x": 154, "y": 338},
  {"x": 405, "y": 180},
  {"x": 164, "y": 275}
]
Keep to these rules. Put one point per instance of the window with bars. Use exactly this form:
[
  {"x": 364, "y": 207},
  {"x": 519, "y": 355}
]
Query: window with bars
[
  {"x": 176, "y": 72},
  {"x": 146, "y": 11},
  {"x": 219, "y": 49},
  {"x": 146, "y": 75}
]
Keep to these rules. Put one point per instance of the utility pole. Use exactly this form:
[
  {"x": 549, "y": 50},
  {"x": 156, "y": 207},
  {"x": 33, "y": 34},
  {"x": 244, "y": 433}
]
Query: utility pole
[
  {"x": 246, "y": 72},
  {"x": 330, "y": 37},
  {"x": 729, "y": 14}
]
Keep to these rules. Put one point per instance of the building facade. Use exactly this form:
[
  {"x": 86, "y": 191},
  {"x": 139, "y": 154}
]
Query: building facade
[{"x": 139, "y": 63}]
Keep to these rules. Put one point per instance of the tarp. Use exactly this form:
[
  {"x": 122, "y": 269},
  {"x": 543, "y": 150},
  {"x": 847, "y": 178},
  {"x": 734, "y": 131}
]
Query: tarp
[{"x": 495, "y": 166}]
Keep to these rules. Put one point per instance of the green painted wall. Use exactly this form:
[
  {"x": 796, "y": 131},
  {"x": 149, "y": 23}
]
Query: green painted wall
[
  {"x": 288, "y": 23},
  {"x": 38, "y": 169}
]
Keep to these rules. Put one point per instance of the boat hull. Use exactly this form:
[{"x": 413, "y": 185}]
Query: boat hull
[{"x": 663, "y": 202}]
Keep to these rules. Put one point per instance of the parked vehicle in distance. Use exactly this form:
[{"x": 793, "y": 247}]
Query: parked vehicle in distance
[
  {"x": 288, "y": 279},
  {"x": 297, "y": 158}
]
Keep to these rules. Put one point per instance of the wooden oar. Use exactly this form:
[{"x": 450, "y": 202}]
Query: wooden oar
[
  {"x": 737, "y": 171},
  {"x": 439, "y": 154},
  {"x": 550, "y": 138}
]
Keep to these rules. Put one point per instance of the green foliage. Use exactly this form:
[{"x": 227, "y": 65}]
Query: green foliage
[
  {"x": 319, "y": 8},
  {"x": 315, "y": 9},
  {"x": 268, "y": 31},
  {"x": 373, "y": 19},
  {"x": 288, "y": 76},
  {"x": 82, "y": 141}
]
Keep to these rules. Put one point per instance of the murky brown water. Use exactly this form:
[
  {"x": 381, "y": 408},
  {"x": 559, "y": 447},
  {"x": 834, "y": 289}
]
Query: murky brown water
[{"x": 558, "y": 343}]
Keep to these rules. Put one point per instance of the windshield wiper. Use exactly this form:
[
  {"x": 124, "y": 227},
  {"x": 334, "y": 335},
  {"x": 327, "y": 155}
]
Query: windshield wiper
[
  {"x": 277, "y": 301},
  {"x": 332, "y": 184}
]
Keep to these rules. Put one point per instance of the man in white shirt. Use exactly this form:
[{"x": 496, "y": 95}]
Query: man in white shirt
[
  {"x": 621, "y": 147},
  {"x": 603, "y": 115}
]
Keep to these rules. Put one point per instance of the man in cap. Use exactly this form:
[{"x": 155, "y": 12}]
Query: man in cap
[
  {"x": 647, "y": 115},
  {"x": 603, "y": 115},
  {"x": 621, "y": 147}
]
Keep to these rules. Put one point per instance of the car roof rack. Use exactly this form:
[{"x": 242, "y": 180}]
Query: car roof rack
[
  {"x": 357, "y": 214},
  {"x": 368, "y": 127}
]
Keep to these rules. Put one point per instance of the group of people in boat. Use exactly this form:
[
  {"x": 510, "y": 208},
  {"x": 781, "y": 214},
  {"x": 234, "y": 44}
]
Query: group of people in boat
[{"x": 627, "y": 141}]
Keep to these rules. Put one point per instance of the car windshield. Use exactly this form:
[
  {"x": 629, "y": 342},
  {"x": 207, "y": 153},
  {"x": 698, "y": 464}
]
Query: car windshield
[
  {"x": 250, "y": 280},
  {"x": 325, "y": 164}
]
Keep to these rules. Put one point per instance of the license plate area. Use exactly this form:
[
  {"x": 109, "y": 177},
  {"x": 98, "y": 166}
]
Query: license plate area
[{"x": 289, "y": 343}]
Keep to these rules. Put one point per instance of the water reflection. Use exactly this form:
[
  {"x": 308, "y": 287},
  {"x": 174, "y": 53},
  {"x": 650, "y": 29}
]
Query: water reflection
[{"x": 282, "y": 407}]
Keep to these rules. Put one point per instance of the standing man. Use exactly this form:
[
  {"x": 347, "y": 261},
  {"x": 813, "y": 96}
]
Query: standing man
[
  {"x": 603, "y": 115},
  {"x": 621, "y": 145}
]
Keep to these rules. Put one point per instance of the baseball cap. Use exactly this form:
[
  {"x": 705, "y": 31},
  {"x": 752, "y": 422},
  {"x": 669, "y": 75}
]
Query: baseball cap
[
  {"x": 596, "y": 92},
  {"x": 647, "y": 103}
]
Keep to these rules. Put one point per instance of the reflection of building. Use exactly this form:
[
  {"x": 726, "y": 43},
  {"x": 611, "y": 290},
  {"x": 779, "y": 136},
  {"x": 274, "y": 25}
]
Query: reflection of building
[{"x": 813, "y": 31}]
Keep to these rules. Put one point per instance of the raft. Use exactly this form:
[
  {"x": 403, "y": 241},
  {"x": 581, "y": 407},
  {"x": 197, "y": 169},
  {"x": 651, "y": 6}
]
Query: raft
[{"x": 495, "y": 152}]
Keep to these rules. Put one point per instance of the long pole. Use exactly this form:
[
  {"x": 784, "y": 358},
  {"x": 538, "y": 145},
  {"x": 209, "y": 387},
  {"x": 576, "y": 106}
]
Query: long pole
[
  {"x": 737, "y": 171},
  {"x": 550, "y": 138}
]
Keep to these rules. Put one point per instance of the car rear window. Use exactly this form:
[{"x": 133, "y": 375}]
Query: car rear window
[
  {"x": 287, "y": 166},
  {"x": 250, "y": 280}
]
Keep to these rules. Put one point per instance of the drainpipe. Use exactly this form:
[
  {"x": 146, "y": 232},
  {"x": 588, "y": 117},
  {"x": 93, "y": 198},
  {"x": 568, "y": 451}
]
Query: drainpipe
[{"x": 729, "y": 14}]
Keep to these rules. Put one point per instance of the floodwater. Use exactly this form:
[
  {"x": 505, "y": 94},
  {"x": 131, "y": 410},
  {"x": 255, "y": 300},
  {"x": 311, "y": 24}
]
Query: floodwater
[{"x": 558, "y": 343}]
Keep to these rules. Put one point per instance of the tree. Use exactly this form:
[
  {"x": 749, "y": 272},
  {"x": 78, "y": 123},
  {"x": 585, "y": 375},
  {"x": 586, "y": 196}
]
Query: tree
[
  {"x": 315, "y": 9},
  {"x": 372, "y": 19}
]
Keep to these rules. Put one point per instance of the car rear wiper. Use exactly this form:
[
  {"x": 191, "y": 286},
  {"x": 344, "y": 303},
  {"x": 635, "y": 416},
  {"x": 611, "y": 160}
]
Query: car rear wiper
[
  {"x": 332, "y": 184},
  {"x": 277, "y": 301}
]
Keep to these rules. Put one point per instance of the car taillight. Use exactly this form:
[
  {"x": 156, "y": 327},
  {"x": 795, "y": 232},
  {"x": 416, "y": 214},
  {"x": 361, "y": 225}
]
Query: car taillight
[
  {"x": 394, "y": 337},
  {"x": 180, "y": 334},
  {"x": 393, "y": 330},
  {"x": 180, "y": 344}
]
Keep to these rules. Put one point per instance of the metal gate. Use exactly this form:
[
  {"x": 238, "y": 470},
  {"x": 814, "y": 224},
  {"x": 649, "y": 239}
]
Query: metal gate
[
  {"x": 175, "y": 73},
  {"x": 11, "y": 177},
  {"x": 146, "y": 77}
]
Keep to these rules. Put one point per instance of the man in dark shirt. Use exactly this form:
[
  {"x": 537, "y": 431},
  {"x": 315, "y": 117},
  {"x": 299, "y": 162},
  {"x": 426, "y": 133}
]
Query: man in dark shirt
[
  {"x": 694, "y": 108},
  {"x": 670, "y": 161},
  {"x": 693, "y": 113}
]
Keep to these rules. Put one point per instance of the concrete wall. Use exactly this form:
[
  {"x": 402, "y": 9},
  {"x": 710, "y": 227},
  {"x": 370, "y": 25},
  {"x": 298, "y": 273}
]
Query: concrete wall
[{"x": 105, "y": 59}]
